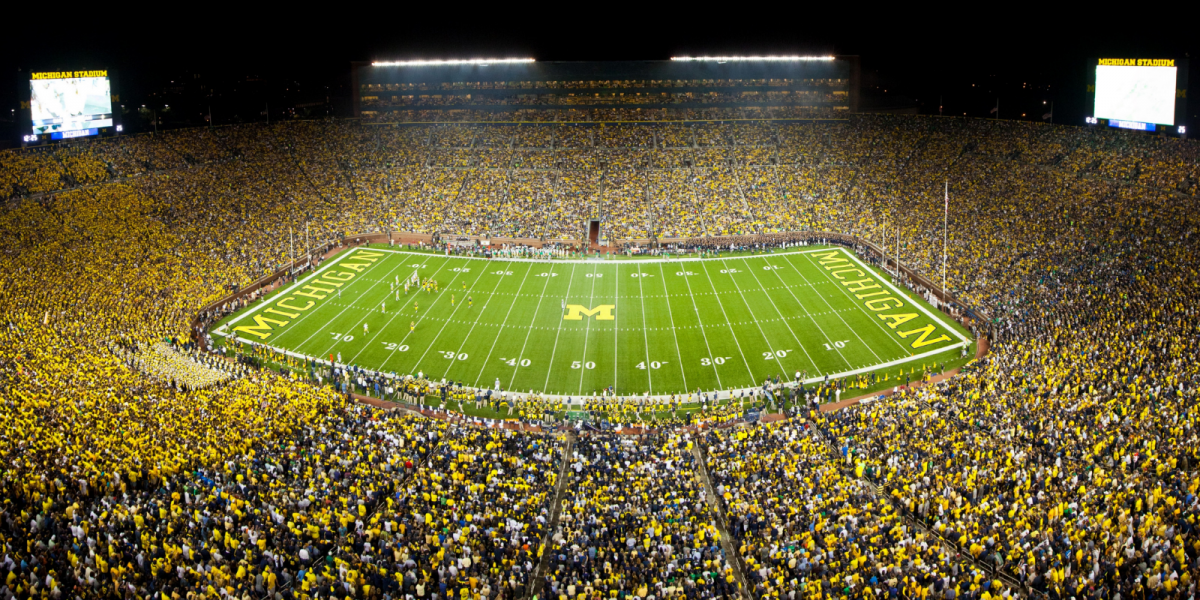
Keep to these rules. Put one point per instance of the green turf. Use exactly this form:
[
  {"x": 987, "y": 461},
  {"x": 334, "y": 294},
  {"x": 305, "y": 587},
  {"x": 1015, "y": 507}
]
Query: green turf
[{"x": 677, "y": 326}]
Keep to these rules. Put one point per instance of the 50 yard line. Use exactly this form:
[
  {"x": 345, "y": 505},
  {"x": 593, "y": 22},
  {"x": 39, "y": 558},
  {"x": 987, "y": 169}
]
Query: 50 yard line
[
  {"x": 616, "y": 328},
  {"x": 587, "y": 330},
  {"x": 550, "y": 367}
]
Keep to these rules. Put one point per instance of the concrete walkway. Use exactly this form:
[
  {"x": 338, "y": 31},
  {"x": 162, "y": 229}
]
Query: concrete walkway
[
  {"x": 535, "y": 580},
  {"x": 731, "y": 554}
]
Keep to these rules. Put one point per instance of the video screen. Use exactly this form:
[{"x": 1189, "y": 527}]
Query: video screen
[
  {"x": 1132, "y": 93},
  {"x": 70, "y": 104}
]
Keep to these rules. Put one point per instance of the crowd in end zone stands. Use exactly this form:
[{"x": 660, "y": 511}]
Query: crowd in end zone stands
[{"x": 1063, "y": 464}]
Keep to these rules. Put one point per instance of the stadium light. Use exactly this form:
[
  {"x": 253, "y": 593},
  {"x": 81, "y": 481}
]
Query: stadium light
[
  {"x": 750, "y": 58},
  {"x": 453, "y": 61},
  {"x": 1182, "y": 129}
]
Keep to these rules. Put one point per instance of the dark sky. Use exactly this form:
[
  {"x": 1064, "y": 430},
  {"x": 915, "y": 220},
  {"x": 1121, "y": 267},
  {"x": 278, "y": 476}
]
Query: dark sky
[{"x": 915, "y": 58}]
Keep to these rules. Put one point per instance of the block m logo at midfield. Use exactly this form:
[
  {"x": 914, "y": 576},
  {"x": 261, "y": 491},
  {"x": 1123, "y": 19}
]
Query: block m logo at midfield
[{"x": 575, "y": 312}]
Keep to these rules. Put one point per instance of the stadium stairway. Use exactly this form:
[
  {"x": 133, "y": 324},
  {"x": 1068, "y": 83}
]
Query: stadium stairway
[
  {"x": 535, "y": 580},
  {"x": 731, "y": 554}
]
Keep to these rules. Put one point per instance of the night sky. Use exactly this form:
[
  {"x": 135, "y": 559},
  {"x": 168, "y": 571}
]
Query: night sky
[{"x": 1023, "y": 57}]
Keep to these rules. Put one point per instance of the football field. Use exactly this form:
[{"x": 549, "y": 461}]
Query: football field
[{"x": 575, "y": 327}]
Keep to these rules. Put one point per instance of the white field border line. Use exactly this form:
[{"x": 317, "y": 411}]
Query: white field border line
[
  {"x": 448, "y": 319},
  {"x": 806, "y": 313},
  {"x": 757, "y": 322},
  {"x": 397, "y": 313},
  {"x": 725, "y": 315},
  {"x": 530, "y": 328},
  {"x": 839, "y": 315},
  {"x": 264, "y": 304},
  {"x": 843, "y": 374},
  {"x": 330, "y": 322},
  {"x": 516, "y": 297},
  {"x": 587, "y": 330},
  {"x": 711, "y": 359},
  {"x": 499, "y": 332},
  {"x": 782, "y": 318},
  {"x": 846, "y": 293},
  {"x": 720, "y": 394},
  {"x": 963, "y": 339},
  {"x": 602, "y": 261},
  {"x": 550, "y": 367},
  {"x": 325, "y": 326}
]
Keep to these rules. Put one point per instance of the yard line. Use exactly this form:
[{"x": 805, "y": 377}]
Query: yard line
[
  {"x": 711, "y": 358},
  {"x": 753, "y": 379},
  {"x": 501, "y": 330},
  {"x": 816, "y": 369},
  {"x": 463, "y": 343},
  {"x": 397, "y": 313},
  {"x": 808, "y": 314},
  {"x": 839, "y": 315},
  {"x": 529, "y": 330},
  {"x": 678, "y": 354},
  {"x": 448, "y": 319},
  {"x": 616, "y": 328},
  {"x": 587, "y": 330},
  {"x": 550, "y": 367},
  {"x": 646, "y": 336},
  {"x": 755, "y": 317},
  {"x": 330, "y": 321}
]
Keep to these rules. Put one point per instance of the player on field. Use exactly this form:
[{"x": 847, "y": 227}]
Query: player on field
[
  {"x": 412, "y": 326},
  {"x": 365, "y": 329}
]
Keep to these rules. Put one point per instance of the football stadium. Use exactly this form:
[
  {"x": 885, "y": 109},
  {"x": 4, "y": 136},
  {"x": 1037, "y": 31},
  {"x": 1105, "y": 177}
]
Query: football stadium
[{"x": 669, "y": 329}]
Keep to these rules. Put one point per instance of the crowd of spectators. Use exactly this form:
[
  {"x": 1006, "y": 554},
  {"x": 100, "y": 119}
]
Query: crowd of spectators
[
  {"x": 1062, "y": 464},
  {"x": 636, "y": 521}
]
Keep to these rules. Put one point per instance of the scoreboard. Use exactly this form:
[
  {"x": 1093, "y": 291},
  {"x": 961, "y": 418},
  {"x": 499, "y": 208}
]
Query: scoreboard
[
  {"x": 1139, "y": 93},
  {"x": 68, "y": 104}
]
